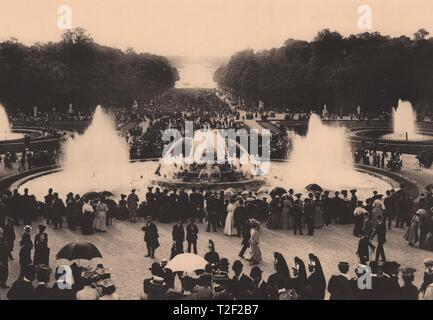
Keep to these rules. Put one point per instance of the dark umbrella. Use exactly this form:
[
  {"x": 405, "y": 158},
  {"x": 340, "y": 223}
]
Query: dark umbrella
[
  {"x": 106, "y": 194},
  {"x": 90, "y": 195},
  {"x": 277, "y": 191},
  {"x": 78, "y": 250},
  {"x": 314, "y": 188}
]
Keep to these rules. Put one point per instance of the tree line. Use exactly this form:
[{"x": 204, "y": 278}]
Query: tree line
[
  {"x": 79, "y": 71},
  {"x": 367, "y": 69}
]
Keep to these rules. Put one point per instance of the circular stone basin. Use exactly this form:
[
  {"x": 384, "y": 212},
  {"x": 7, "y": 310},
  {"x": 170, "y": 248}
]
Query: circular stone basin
[
  {"x": 142, "y": 176},
  {"x": 386, "y": 134},
  {"x": 11, "y": 136},
  {"x": 413, "y": 137},
  {"x": 19, "y": 134}
]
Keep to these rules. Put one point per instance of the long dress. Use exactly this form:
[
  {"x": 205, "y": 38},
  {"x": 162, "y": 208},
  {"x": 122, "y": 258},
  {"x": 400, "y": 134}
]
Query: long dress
[
  {"x": 377, "y": 211},
  {"x": 42, "y": 252},
  {"x": 229, "y": 228},
  {"x": 100, "y": 222},
  {"x": 285, "y": 215},
  {"x": 87, "y": 221},
  {"x": 254, "y": 255},
  {"x": 412, "y": 233},
  {"x": 318, "y": 213}
]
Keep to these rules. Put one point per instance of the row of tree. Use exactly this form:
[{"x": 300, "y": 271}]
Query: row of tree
[
  {"x": 368, "y": 69},
  {"x": 79, "y": 71}
]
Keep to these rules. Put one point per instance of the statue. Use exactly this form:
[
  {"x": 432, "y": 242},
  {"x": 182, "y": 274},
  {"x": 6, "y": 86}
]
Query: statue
[
  {"x": 70, "y": 110},
  {"x": 35, "y": 111}
]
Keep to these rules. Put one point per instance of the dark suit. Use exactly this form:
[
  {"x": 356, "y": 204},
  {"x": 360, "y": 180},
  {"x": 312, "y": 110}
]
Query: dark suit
[
  {"x": 381, "y": 239},
  {"x": 339, "y": 287},
  {"x": 246, "y": 238},
  {"x": 178, "y": 235},
  {"x": 243, "y": 287},
  {"x": 21, "y": 290},
  {"x": 42, "y": 292},
  {"x": 151, "y": 238},
  {"x": 191, "y": 237},
  {"x": 363, "y": 250}
]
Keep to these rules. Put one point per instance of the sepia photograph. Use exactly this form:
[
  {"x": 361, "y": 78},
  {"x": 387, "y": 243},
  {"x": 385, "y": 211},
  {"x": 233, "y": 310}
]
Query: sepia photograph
[{"x": 236, "y": 150}]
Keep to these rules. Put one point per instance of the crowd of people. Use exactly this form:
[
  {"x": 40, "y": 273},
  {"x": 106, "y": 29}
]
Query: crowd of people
[
  {"x": 234, "y": 214},
  {"x": 382, "y": 159}
]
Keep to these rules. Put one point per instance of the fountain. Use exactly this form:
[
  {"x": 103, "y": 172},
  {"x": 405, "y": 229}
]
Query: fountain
[
  {"x": 207, "y": 162},
  {"x": 5, "y": 128},
  {"x": 99, "y": 158},
  {"x": 324, "y": 157},
  {"x": 404, "y": 123},
  {"x": 405, "y": 135}
]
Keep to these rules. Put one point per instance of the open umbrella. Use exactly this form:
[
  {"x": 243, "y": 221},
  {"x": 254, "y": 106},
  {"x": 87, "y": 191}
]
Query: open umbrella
[
  {"x": 106, "y": 194},
  {"x": 78, "y": 250},
  {"x": 187, "y": 262},
  {"x": 91, "y": 195},
  {"x": 277, "y": 191},
  {"x": 314, "y": 188}
]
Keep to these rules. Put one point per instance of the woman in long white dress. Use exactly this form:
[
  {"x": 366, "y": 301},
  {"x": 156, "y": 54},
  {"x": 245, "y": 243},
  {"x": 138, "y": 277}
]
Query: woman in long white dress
[
  {"x": 101, "y": 216},
  {"x": 229, "y": 227}
]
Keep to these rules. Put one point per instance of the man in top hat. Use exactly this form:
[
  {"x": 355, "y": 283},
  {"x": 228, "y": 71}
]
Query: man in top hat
[
  {"x": 178, "y": 235},
  {"x": 183, "y": 206},
  {"x": 57, "y": 211},
  {"x": 150, "y": 237},
  {"x": 149, "y": 200},
  {"x": 296, "y": 214},
  {"x": 132, "y": 203},
  {"x": 241, "y": 216},
  {"x": 192, "y": 235},
  {"x": 212, "y": 207},
  {"x": 339, "y": 286},
  {"x": 380, "y": 232},
  {"x": 364, "y": 246}
]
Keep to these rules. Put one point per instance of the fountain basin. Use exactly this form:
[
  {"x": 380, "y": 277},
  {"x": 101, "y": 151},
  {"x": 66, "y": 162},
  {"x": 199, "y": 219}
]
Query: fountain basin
[
  {"x": 142, "y": 176},
  {"x": 384, "y": 137}
]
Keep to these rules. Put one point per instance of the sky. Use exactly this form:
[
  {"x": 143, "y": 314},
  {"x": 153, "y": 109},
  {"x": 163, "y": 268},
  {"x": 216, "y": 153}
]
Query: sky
[{"x": 205, "y": 28}]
